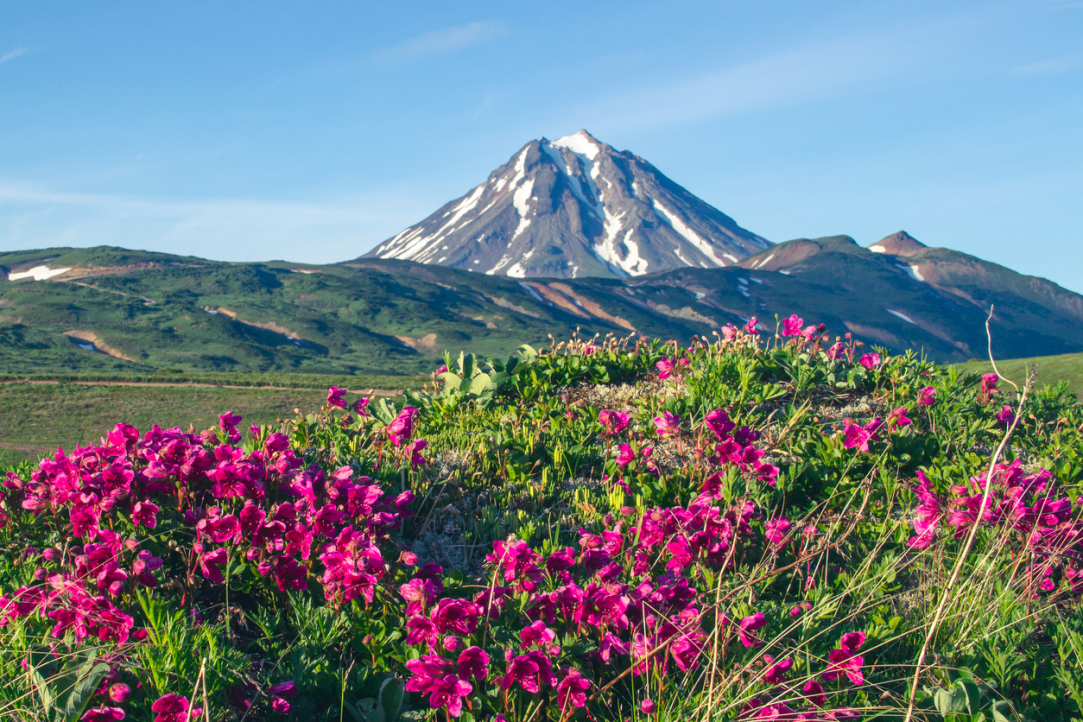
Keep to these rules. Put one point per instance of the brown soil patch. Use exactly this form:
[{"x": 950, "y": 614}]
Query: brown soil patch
[
  {"x": 426, "y": 343},
  {"x": 592, "y": 307},
  {"x": 92, "y": 338}
]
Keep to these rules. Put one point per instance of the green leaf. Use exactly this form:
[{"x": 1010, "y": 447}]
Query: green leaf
[{"x": 480, "y": 383}]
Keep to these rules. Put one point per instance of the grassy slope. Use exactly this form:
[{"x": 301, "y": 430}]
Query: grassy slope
[
  {"x": 36, "y": 418},
  {"x": 1050, "y": 369},
  {"x": 395, "y": 317}
]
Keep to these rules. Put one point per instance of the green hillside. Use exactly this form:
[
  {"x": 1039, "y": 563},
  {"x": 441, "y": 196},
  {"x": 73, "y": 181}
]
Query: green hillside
[
  {"x": 1050, "y": 370},
  {"x": 108, "y": 310}
]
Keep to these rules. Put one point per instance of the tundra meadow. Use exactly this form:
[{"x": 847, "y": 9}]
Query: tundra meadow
[{"x": 771, "y": 524}]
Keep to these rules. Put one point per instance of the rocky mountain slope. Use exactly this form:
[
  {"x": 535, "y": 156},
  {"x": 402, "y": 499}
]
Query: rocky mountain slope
[
  {"x": 111, "y": 309},
  {"x": 570, "y": 208}
]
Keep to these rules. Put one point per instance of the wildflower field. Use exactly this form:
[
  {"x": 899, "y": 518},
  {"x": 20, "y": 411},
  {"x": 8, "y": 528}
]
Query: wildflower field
[{"x": 764, "y": 525}]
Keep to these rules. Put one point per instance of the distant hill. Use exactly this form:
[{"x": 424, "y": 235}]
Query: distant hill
[
  {"x": 109, "y": 309},
  {"x": 570, "y": 208}
]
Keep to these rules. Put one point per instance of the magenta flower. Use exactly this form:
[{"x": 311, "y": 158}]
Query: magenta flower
[
  {"x": 473, "y": 662},
  {"x": 536, "y": 634},
  {"x": 402, "y": 427},
  {"x": 449, "y": 692},
  {"x": 280, "y": 693},
  {"x": 420, "y": 630},
  {"x": 718, "y": 421},
  {"x": 573, "y": 688},
  {"x": 119, "y": 692},
  {"x": 613, "y": 422},
  {"x": 667, "y": 368},
  {"x": 336, "y": 397},
  {"x": 989, "y": 383},
  {"x": 144, "y": 513},
  {"x": 625, "y": 456},
  {"x": 792, "y": 326},
  {"x": 776, "y": 673},
  {"x": 360, "y": 405},
  {"x": 927, "y": 396},
  {"x": 103, "y": 714},
  {"x": 747, "y": 627},
  {"x": 1005, "y": 416},
  {"x": 776, "y": 530},
  {"x": 416, "y": 459},
  {"x": 845, "y": 661},
  {"x": 815, "y": 693},
  {"x": 522, "y": 670},
  {"x": 452, "y": 643},
  {"x": 836, "y": 351},
  {"x": 173, "y": 708},
  {"x": 647, "y": 706},
  {"x": 456, "y": 615},
  {"x": 668, "y": 424},
  {"x": 211, "y": 564},
  {"x": 928, "y": 515},
  {"x": 870, "y": 360},
  {"x": 427, "y": 670},
  {"x": 750, "y": 327},
  {"x": 897, "y": 417},
  {"x": 858, "y": 436}
]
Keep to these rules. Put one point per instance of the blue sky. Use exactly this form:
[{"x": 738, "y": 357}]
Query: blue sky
[{"x": 313, "y": 131}]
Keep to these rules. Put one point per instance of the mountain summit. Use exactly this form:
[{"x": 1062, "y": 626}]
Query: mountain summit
[{"x": 575, "y": 207}]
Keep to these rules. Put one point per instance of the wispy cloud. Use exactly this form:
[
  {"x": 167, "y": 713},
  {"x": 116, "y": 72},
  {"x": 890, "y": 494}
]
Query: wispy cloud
[
  {"x": 12, "y": 55},
  {"x": 785, "y": 79},
  {"x": 444, "y": 41},
  {"x": 1055, "y": 66},
  {"x": 33, "y": 216}
]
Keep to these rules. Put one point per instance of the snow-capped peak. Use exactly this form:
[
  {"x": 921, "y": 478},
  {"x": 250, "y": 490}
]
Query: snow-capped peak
[
  {"x": 582, "y": 143},
  {"x": 574, "y": 207}
]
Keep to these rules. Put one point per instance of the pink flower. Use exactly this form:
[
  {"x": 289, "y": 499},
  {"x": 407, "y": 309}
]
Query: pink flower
[
  {"x": 456, "y": 615},
  {"x": 870, "y": 360},
  {"x": 718, "y": 421},
  {"x": 103, "y": 714},
  {"x": 747, "y": 627},
  {"x": 815, "y": 693},
  {"x": 360, "y": 405},
  {"x": 613, "y": 422},
  {"x": 776, "y": 530},
  {"x": 776, "y": 673},
  {"x": 144, "y": 513},
  {"x": 473, "y": 662},
  {"x": 173, "y": 708},
  {"x": 416, "y": 459},
  {"x": 989, "y": 383},
  {"x": 402, "y": 427},
  {"x": 668, "y": 424},
  {"x": 449, "y": 692},
  {"x": 536, "y": 634},
  {"x": 625, "y": 456},
  {"x": 280, "y": 693},
  {"x": 792, "y": 326},
  {"x": 211, "y": 564},
  {"x": 420, "y": 630},
  {"x": 845, "y": 660},
  {"x": 667, "y": 368},
  {"x": 1005, "y": 416},
  {"x": 336, "y": 397},
  {"x": 573, "y": 688},
  {"x": 836, "y": 351},
  {"x": 452, "y": 643},
  {"x": 750, "y": 327},
  {"x": 897, "y": 417},
  {"x": 119, "y": 692},
  {"x": 647, "y": 706},
  {"x": 927, "y": 396},
  {"x": 522, "y": 670},
  {"x": 928, "y": 515},
  {"x": 859, "y": 436}
]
